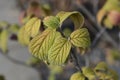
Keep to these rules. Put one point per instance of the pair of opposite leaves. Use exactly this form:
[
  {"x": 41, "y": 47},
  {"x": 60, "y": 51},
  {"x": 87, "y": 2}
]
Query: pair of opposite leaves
[
  {"x": 101, "y": 72},
  {"x": 50, "y": 46}
]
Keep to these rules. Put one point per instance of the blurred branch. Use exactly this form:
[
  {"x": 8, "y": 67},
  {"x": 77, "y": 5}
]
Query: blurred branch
[
  {"x": 95, "y": 6},
  {"x": 97, "y": 37}
]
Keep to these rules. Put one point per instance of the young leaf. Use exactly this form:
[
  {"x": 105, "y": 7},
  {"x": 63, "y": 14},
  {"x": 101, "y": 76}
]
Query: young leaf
[
  {"x": 89, "y": 73},
  {"x": 77, "y": 76},
  {"x": 40, "y": 44},
  {"x": 102, "y": 67},
  {"x": 23, "y": 38},
  {"x": 80, "y": 38},
  {"x": 59, "y": 52},
  {"x": 52, "y": 22},
  {"x": 32, "y": 26},
  {"x": 76, "y": 17},
  {"x": 3, "y": 40}
]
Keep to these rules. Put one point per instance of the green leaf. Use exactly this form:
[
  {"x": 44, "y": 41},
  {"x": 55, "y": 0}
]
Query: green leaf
[
  {"x": 59, "y": 52},
  {"x": 76, "y": 17},
  {"x": 51, "y": 21},
  {"x": 89, "y": 73},
  {"x": 40, "y": 44},
  {"x": 3, "y": 40},
  {"x": 23, "y": 38},
  {"x": 80, "y": 38},
  {"x": 32, "y": 26},
  {"x": 67, "y": 32},
  {"x": 77, "y": 76},
  {"x": 102, "y": 66}
]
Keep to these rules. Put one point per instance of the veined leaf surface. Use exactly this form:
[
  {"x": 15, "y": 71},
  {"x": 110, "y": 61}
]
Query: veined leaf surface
[
  {"x": 23, "y": 38},
  {"x": 80, "y": 38},
  {"x": 59, "y": 52},
  {"x": 32, "y": 26},
  {"x": 40, "y": 44}
]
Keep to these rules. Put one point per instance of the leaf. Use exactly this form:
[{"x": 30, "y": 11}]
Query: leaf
[
  {"x": 102, "y": 67},
  {"x": 80, "y": 38},
  {"x": 40, "y": 44},
  {"x": 89, "y": 73},
  {"x": 59, "y": 52},
  {"x": 67, "y": 32},
  {"x": 3, "y": 40},
  {"x": 32, "y": 26},
  {"x": 76, "y": 17},
  {"x": 51, "y": 21},
  {"x": 23, "y": 38},
  {"x": 77, "y": 76}
]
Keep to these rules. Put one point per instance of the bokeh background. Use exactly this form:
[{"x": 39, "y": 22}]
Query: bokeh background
[{"x": 102, "y": 22}]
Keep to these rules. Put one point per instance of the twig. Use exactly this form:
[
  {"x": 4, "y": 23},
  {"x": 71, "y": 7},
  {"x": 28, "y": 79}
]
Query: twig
[
  {"x": 95, "y": 6},
  {"x": 97, "y": 37},
  {"x": 76, "y": 60}
]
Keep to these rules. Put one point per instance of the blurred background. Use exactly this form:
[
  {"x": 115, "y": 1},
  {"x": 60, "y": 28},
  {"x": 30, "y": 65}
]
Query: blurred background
[{"x": 102, "y": 18}]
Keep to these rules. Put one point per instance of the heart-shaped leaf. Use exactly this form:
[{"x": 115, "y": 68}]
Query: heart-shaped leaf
[
  {"x": 40, "y": 44},
  {"x": 32, "y": 26},
  {"x": 59, "y": 52},
  {"x": 80, "y": 38}
]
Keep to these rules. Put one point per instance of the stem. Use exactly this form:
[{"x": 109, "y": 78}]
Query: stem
[{"x": 75, "y": 59}]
